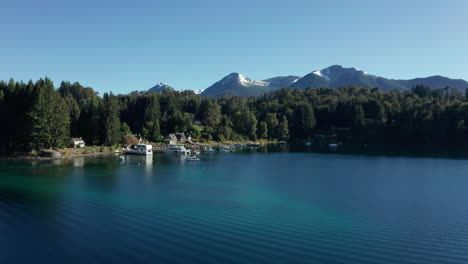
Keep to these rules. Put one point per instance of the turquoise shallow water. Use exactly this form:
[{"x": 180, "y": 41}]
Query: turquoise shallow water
[{"x": 235, "y": 208}]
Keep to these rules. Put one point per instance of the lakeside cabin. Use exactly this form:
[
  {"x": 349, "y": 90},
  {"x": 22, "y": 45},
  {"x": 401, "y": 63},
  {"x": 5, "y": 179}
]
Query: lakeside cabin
[
  {"x": 77, "y": 142},
  {"x": 170, "y": 139},
  {"x": 174, "y": 138}
]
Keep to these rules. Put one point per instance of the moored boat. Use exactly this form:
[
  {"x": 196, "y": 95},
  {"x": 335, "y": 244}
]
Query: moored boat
[
  {"x": 192, "y": 158},
  {"x": 176, "y": 149},
  {"x": 208, "y": 150},
  {"x": 333, "y": 145},
  {"x": 138, "y": 149},
  {"x": 253, "y": 144},
  {"x": 225, "y": 149}
]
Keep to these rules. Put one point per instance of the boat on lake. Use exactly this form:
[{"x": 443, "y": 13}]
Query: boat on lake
[
  {"x": 176, "y": 149},
  {"x": 253, "y": 144},
  {"x": 192, "y": 158},
  {"x": 333, "y": 145},
  {"x": 208, "y": 150},
  {"x": 225, "y": 149},
  {"x": 138, "y": 149}
]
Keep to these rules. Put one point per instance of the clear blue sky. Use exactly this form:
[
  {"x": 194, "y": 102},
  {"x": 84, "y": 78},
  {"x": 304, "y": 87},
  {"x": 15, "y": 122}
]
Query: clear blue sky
[{"x": 122, "y": 46}]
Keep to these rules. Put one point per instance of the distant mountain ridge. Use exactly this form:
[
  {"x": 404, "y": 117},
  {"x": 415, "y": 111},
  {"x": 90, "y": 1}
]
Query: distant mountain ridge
[
  {"x": 238, "y": 84},
  {"x": 335, "y": 76},
  {"x": 160, "y": 87}
]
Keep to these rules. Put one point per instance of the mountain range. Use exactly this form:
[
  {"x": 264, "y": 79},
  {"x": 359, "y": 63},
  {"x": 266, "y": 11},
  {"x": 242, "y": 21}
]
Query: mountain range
[
  {"x": 334, "y": 76},
  {"x": 160, "y": 87}
]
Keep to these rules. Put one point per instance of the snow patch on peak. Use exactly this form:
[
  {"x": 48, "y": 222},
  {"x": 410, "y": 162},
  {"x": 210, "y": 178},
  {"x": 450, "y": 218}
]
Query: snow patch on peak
[
  {"x": 244, "y": 80},
  {"x": 318, "y": 73},
  {"x": 323, "y": 73}
]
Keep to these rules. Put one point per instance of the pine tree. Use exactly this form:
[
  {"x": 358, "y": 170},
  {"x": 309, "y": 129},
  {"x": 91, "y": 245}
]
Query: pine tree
[
  {"x": 152, "y": 132},
  {"x": 60, "y": 121},
  {"x": 110, "y": 121},
  {"x": 283, "y": 129},
  {"x": 358, "y": 116},
  {"x": 262, "y": 130},
  {"x": 304, "y": 120},
  {"x": 49, "y": 119}
]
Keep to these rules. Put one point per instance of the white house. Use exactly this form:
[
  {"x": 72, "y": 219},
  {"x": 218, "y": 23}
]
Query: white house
[
  {"x": 171, "y": 139},
  {"x": 77, "y": 142}
]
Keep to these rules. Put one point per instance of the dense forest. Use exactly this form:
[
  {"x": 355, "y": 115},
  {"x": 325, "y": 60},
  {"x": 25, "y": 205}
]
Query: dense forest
[{"x": 36, "y": 115}]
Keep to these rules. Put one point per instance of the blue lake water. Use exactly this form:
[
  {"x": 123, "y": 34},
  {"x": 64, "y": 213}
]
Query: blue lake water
[{"x": 235, "y": 208}]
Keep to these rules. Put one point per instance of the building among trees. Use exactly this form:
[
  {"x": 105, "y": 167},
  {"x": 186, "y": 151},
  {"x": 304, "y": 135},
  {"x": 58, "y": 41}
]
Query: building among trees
[{"x": 77, "y": 142}]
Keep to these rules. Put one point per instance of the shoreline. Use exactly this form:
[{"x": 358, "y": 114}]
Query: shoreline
[
  {"x": 71, "y": 153},
  {"x": 29, "y": 157}
]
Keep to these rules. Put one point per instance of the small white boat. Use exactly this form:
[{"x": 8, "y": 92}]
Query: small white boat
[
  {"x": 225, "y": 149},
  {"x": 208, "y": 149},
  {"x": 192, "y": 158},
  {"x": 179, "y": 150},
  {"x": 253, "y": 144},
  {"x": 333, "y": 145},
  {"x": 138, "y": 149}
]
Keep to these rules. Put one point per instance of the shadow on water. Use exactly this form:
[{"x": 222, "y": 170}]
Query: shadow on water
[
  {"x": 364, "y": 150},
  {"x": 38, "y": 185}
]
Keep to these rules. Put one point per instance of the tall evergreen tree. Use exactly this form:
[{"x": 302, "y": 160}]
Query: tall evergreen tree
[
  {"x": 283, "y": 129},
  {"x": 110, "y": 121},
  {"x": 49, "y": 120},
  {"x": 262, "y": 129}
]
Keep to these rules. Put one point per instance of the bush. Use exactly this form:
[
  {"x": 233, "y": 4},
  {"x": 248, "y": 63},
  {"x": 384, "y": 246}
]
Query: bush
[
  {"x": 33, "y": 153},
  {"x": 130, "y": 140}
]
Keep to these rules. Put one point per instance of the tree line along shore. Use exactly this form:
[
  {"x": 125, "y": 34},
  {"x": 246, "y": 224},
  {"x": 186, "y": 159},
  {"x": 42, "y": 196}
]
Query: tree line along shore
[{"x": 37, "y": 115}]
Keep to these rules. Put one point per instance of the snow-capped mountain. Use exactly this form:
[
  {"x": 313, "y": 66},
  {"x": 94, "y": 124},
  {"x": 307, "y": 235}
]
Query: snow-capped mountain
[
  {"x": 282, "y": 81},
  {"x": 239, "y": 84},
  {"x": 158, "y": 88},
  {"x": 335, "y": 76}
]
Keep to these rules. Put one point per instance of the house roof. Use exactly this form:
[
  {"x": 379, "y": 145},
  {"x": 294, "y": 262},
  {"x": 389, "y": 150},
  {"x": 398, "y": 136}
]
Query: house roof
[
  {"x": 171, "y": 136},
  {"x": 180, "y": 136}
]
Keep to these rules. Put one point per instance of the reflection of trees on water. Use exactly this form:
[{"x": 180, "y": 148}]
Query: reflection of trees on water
[
  {"x": 36, "y": 185},
  {"x": 79, "y": 162},
  {"x": 145, "y": 161},
  {"x": 97, "y": 173}
]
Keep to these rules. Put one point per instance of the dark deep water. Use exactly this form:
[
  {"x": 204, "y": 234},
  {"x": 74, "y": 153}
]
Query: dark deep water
[{"x": 235, "y": 208}]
